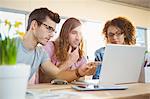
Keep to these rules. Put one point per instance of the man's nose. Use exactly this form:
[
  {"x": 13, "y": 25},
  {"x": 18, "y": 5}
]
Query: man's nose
[{"x": 51, "y": 34}]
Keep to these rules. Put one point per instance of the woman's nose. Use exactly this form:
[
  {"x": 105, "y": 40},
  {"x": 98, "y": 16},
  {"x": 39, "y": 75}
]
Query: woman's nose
[{"x": 78, "y": 36}]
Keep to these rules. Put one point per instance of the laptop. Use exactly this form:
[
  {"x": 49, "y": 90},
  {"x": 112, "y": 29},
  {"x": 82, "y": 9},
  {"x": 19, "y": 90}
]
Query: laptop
[{"x": 122, "y": 64}]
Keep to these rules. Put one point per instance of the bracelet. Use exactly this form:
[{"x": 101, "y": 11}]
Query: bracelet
[{"x": 77, "y": 73}]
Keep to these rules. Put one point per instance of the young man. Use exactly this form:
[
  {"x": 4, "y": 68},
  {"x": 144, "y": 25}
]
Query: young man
[{"x": 41, "y": 26}]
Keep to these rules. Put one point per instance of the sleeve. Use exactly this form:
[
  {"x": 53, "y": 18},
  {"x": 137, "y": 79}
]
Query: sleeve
[
  {"x": 79, "y": 63},
  {"x": 82, "y": 61},
  {"x": 45, "y": 56},
  {"x": 97, "y": 58},
  {"x": 49, "y": 48}
]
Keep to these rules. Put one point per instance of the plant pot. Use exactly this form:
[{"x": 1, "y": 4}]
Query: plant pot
[{"x": 13, "y": 81}]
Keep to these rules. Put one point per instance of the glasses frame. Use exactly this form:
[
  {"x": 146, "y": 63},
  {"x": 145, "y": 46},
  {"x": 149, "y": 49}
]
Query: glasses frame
[
  {"x": 49, "y": 28},
  {"x": 115, "y": 34}
]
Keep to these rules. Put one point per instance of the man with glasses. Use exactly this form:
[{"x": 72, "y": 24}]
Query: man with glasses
[
  {"x": 41, "y": 26},
  {"x": 116, "y": 31}
]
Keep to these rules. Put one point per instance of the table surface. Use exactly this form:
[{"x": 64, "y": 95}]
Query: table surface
[{"x": 65, "y": 91}]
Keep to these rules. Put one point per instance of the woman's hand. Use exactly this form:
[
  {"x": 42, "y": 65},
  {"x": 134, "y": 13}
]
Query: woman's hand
[
  {"x": 72, "y": 58},
  {"x": 73, "y": 55}
]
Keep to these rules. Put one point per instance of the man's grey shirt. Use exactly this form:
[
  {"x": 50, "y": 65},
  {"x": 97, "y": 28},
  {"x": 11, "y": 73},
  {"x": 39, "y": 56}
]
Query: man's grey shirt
[{"x": 33, "y": 58}]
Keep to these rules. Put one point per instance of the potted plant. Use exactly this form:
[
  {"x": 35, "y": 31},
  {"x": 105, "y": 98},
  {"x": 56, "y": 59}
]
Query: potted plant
[{"x": 13, "y": 77}]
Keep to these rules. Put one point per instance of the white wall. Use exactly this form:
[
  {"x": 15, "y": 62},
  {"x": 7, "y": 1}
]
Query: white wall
[{"x": 96, "y": 10}]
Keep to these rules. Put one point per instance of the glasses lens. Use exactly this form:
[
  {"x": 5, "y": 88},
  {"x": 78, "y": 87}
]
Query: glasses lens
[
  {"x": 112, "y": 34},
  {"x": 49, "y": 28}
]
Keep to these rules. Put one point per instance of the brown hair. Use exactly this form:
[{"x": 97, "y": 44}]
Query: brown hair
[
  {"x": 62, "y": 43},
  {"x": 126, "y": 28},
  {"x": 41, "y": 14}
]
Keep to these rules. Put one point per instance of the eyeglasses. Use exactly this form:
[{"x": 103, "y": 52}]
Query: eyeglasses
[
  {"x": 49, "y": 28},
  {"x": 116, "y": 34}
]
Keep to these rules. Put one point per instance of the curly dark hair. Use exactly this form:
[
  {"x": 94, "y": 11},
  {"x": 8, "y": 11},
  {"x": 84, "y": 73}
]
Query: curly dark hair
[{"x": 126, "y": 28}]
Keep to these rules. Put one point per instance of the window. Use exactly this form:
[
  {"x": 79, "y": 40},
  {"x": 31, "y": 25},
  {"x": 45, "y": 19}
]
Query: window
[
  {"x": 12, "y": 16},
  {"x": 58, "y": 28},
  {"x": 148, "y": 39},
  {"x": 140, "y": 36},
  {"x": 93, "y": 38}
]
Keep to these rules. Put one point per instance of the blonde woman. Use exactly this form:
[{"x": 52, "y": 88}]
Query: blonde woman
[{"x": 67, "y": 51}]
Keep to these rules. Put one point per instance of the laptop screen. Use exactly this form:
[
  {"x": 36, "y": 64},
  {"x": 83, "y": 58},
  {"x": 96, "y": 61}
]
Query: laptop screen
[{"x": 122, "y": 63}]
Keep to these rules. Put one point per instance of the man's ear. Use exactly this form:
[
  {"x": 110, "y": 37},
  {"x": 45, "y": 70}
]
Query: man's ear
[{"x": 34, "y": 25}]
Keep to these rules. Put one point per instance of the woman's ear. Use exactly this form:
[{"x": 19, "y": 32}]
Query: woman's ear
[{"x": 106, "y": 39}]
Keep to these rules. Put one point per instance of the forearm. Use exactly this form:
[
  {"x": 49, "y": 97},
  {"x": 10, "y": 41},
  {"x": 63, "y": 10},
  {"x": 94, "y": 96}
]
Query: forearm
[
  {"x": 65, "y": 65},
  {"x": 67, "y": 75},
  {"x": 53, "y": 72},
  {"x": 50, "y": 69}
]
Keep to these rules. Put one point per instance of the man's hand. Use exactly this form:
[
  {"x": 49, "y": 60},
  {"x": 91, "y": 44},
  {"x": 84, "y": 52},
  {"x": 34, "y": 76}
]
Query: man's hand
[{"x": 89, "y": 68}]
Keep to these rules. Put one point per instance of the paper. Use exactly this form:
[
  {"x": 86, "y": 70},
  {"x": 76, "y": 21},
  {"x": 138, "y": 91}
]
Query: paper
[
  {"x": 147, "y": 68},
  {"x": 147, "y": 60},
  {"x": 147, "y": 74},
  {"x": 43, "y": 94}
]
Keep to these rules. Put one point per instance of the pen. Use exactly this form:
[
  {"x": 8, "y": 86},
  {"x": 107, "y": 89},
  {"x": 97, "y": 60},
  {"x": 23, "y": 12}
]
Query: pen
[
  {"x": 145, "y": 63},
  {"x": 148, "y": 65}
]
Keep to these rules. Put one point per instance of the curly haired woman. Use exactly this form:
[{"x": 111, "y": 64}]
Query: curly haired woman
[{"x": 116, "y": 31}]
